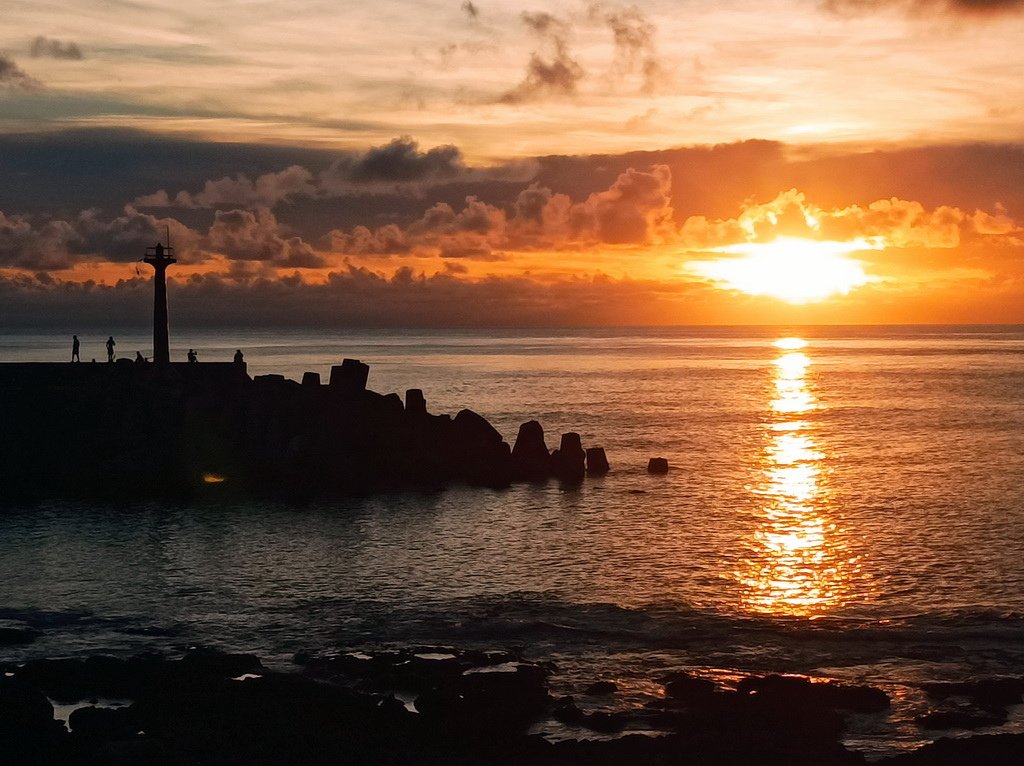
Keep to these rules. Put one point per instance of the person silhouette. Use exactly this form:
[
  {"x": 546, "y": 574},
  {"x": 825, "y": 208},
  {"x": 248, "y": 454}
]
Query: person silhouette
[
  {"x": 139, "y": 358},
  {"x": 239, "y": 359},
  {"x": 193, "y": 357},
  {"x": 74, "y": 349},
  {"x": 110, "y": 348}
]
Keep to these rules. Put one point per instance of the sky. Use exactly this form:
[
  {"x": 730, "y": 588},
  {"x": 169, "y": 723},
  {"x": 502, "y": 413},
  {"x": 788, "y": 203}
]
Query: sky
[{"x": 476, "y": 163}]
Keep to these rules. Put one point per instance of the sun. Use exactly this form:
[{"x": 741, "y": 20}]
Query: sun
[{"x": 789, "y": 268}]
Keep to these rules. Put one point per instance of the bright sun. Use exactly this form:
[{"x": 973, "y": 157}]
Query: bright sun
[{"x": 793, "y": 269}]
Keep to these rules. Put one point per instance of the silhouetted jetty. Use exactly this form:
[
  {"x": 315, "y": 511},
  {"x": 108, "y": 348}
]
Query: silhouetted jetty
[{"x": 135, "y": 430}]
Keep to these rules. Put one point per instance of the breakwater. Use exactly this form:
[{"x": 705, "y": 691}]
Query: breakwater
[{"x": 130, "y": 429}]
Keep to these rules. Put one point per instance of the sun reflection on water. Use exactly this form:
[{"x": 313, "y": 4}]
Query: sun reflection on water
[{"x": 797, "y": 559}]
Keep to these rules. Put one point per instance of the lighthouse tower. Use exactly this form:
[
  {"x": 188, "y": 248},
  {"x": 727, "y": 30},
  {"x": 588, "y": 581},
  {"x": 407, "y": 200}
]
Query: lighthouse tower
[{"x": 160, "y": 257}]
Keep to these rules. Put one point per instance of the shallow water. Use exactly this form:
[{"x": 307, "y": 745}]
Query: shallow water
[{"x": 843, "y": 501}]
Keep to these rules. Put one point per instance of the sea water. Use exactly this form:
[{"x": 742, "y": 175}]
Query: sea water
[{"x": 842, "y": 502}]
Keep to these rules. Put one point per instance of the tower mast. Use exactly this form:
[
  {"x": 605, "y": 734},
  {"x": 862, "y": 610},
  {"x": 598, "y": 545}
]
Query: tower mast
[{"x": 160, "y": 257}]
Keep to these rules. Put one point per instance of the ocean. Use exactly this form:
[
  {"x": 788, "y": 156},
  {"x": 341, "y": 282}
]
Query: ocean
[{"x": 843, "y": 502}]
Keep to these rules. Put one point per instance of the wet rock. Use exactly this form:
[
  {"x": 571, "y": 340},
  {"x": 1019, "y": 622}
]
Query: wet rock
[
  {"x": 985, "y": 750},
  {"x": 570, "y": 459},
  {"x": 212, "y": 663},
  {"x": 480, "y": 454},
  {"x": 605, "y": 722},
  {"x": 687, "y": 689},
  {"x": 17, "y": 636},
  {"x": 28, "y": 732},
  {"x": 601, "y": 688},
  {"x": 564, "y": 710},
  {"x": 98, "y": 723},
  {"x": 597, "y": 461},
  {"x": 986, "y": 692},
  {"x": 488, "y": 703},
  {"x": 657, "y": 465},
  {"x": 961, "y": 719},
  {"x": 530, "y": 458},
  {"x": 799, "y": 691}
]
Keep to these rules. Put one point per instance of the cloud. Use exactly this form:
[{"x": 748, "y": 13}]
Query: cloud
[
  {"x": 55, "y": 49},
  {"x": 635, "y": 210},
  {"x": 400, "y": 161},
  {"x": 23, "y": 245},
  {"x": 12, "y": 77},
  {"x": 975, "y": 8},
  {"x": 894, "y": 223},
  {"x": 257, "y": 236},
  {"x": 351, "y": 297},
  {"x": 266, "y": 191},
  {"x": 552, "y": 71},
  {"x": 635, "y": 52},
  {"x": 398, "y": 166}
]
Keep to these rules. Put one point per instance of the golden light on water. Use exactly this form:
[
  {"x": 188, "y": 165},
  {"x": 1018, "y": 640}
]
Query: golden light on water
[
  {"x": 797, "y": 561},
  {"x": 789, "y": 268}
]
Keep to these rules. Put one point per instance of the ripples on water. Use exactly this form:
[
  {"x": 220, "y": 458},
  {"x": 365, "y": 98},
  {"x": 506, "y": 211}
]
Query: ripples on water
[{"x": 841, "y": 500}]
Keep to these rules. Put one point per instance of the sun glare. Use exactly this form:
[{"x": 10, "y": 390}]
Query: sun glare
[{"x": 790, "y": 268}]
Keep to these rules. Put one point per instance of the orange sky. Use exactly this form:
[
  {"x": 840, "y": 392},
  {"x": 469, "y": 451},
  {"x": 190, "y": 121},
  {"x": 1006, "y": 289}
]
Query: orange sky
[{"x": 460, "y": 163}]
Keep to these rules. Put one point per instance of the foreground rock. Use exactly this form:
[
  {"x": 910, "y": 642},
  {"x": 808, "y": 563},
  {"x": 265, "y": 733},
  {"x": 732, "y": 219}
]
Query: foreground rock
[{"x": 422, "y": 705}]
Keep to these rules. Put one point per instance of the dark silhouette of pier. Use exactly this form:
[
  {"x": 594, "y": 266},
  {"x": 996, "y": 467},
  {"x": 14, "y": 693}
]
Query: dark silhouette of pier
[{"x": 176, "y": 428}]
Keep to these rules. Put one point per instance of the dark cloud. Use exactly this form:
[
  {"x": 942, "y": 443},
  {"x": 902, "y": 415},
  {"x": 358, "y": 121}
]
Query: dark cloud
[
  {"x": 551, "y": 71},
  {"x": 925, "y": 7},
  {"x": 12, "y": 77},
  {"x": 55, "y": 49},
  {"x": 470, "y": 9},
  {"x": 37, "y": 247},
  {"x": 266, "y": 191},
  {"x": 636, "y": 209},
  {"x": 401, "y": 160},
  {"x": 350, "y": 297},
  {"x": 256, "y": 236}
]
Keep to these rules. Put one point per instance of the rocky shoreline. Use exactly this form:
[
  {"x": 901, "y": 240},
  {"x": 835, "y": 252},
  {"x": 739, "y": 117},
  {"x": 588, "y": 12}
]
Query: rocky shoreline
[{"x": 436, "y": 705}]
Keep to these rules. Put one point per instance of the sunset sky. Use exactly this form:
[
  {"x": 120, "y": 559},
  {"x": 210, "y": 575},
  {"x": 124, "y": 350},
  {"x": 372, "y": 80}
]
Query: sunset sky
[{"x": 430, "y": 163}]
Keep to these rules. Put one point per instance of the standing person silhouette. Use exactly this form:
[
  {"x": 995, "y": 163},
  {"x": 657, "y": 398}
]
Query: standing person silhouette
[
  {"x": 74, "y": 349},
  {"x": 110, "y": 348},
  {"x": 239, "y": 359}
]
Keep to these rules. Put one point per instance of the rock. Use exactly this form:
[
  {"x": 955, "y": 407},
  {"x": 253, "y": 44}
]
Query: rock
[
  {"x": 565, "y": 711},
  {"x": 350, "y": 376},
  {"x": 530, "y": 458},
  {"x": 605, "y": 722},
  {"x": 478, "y": 453},
  {"x": 212, "y": 663},
  {"x": 601, "y": 688},
  {"x": 415, "y": 403},
  {"x": 987, "y": 692},
  {"x": 961, "y": 719},
  {"x": 16, "y": 636},
  {"x": 657, "y": 465},
  {"x": 488, "y": 704},
  {"x": 570, "y": 460},
  {"x": 597, "y": 461},
  {"x": 688, "y": 690},
  {"x": 28, "y": 732},
  {"x": 985, "y": 750},
  {"x": 311, "y": 379},
  {"x": 797, "y": 691},
  {"x": 103, "y": 723}
]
